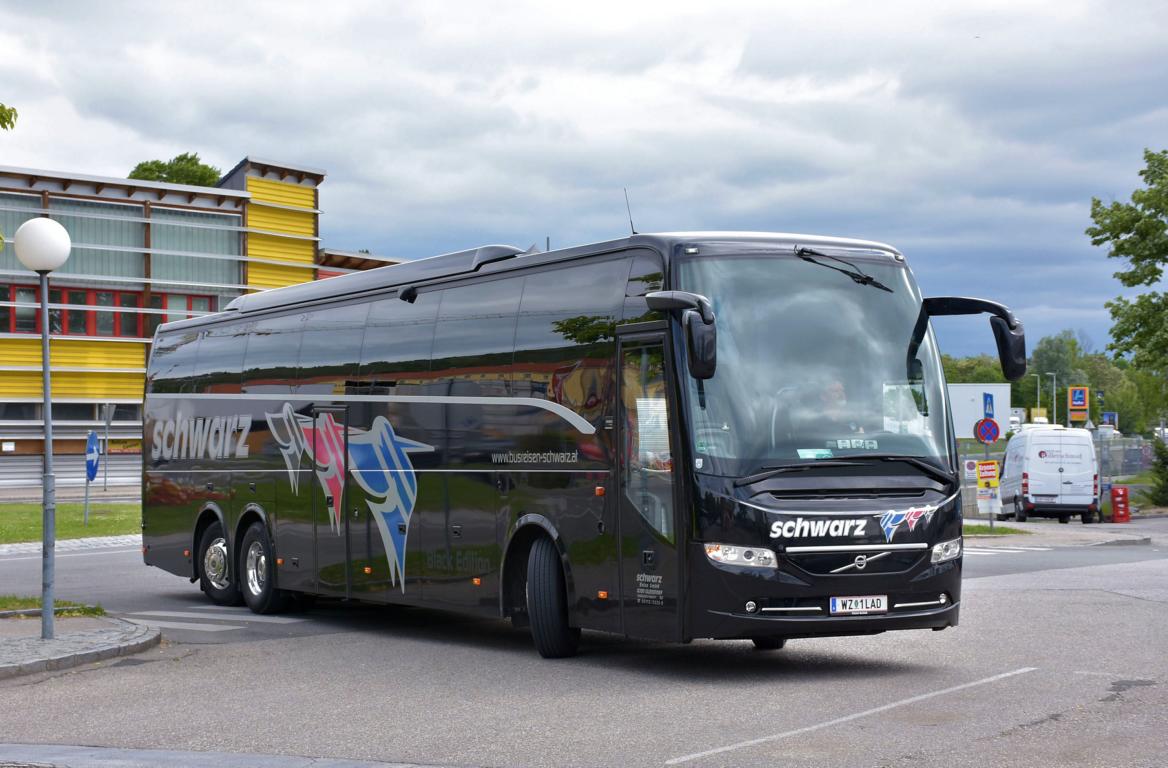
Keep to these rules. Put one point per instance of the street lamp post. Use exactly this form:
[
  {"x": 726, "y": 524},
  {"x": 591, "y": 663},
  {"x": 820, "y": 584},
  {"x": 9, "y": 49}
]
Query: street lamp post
[
  {"x": 1037, "y": 390},
  {"x": 1053, "y": 399},
  {"x": 43, "y": 245}
]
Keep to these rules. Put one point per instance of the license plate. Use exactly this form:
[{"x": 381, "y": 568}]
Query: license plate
[{"x": 859, "y": 605}]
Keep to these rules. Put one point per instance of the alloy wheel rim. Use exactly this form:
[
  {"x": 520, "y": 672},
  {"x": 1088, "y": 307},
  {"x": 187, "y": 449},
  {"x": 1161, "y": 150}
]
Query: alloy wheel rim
[
  {"x": 257, "y": 568},
  {"x": 215, "y": 564}
]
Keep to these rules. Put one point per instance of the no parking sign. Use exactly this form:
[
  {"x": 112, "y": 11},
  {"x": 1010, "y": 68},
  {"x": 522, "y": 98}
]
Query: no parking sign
[{"x": 987, "y": 431}]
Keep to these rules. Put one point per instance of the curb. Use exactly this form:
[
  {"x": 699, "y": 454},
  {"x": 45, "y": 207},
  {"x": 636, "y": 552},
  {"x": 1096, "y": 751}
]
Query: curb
[
  {"x": 1147, "y": 540},
  {"x": 139, "y": 638}
]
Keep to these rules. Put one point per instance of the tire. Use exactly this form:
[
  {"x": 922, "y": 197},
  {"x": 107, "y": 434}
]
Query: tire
[
  {"x": 216, "y": 576},
  {"x": 1064, "y": 519},
  {"x": 1087, "y": 518},
  {"x": 257, "y": 573},
  {"x": 1019, "y": 511},
  {"x": 768, "y": 643},
  {"x": 547, "y": 603}
]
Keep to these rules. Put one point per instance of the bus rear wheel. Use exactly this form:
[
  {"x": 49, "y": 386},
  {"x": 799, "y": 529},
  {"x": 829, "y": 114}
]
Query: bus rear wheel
[
  {"x": 215, "y": 572},
  {"x": 547, "y": 603},
  {"x": 257, "y": 572},
  {"x": 768, "y": 643}
]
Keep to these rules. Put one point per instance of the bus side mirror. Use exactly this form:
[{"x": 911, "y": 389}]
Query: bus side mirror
[
  {"x": 701, "y": 331},
  {"x": 1008, "y": 331},
  {"x": 702, "y": 342},
  {"x": 1011, "y": 348}
]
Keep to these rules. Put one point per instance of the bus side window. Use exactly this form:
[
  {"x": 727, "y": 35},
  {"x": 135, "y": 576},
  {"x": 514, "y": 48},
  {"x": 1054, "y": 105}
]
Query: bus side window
[
  {"x": 474, "y": 343},
  {"x": 219, "y": 363},
  {"x": 273, "y": 347},
  {"x": 648, "y": 462},
  {"x": 330, "y": 348},
  {"x": 172, "y": 362},
  {"x": 646, "y": 274},
  {"x": 399, "y": 335},
  {"x": 564, "y": 342}
]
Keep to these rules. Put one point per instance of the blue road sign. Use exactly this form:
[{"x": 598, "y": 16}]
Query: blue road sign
[
  {"x": 987, "y": 399},
  {"x": 92, "y": 455},
  {"x": 987, "y": 431},
  {"x": 1111, "y": 417}
]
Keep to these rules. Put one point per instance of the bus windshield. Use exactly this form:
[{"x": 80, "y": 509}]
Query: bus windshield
[{"x": 818, "y": 358}]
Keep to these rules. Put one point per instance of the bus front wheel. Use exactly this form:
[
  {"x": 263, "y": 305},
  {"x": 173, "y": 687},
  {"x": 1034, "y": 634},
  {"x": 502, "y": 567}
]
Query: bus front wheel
[
  {"x": 257, "y": 574},
  {"x": 215, "y": 572},
  {"x": 547, "y": 603}
]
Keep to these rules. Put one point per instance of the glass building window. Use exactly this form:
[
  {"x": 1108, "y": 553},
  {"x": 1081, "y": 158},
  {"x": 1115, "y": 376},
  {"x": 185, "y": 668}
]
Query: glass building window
[{"x": 26, "y": 316}]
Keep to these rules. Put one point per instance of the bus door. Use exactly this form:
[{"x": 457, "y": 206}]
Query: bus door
[
  {"x": 648, "y": 519},
  {"x": 330, "y": 451}
]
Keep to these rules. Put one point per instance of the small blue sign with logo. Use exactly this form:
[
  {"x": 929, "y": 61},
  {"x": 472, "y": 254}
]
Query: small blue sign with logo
[
  {"x": 92, "y": 455},
  {"x": 988, "y": 401}
]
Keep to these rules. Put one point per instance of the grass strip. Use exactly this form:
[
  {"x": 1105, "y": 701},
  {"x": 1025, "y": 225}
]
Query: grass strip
[
  {"x": 977, "y": 529},
  {"x": 22, "y": 522},
  {"x": 61, "y": 607}
]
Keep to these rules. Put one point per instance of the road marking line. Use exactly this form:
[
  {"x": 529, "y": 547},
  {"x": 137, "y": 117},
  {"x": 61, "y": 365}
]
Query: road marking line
[
  {"x": 849, "y": 718},
  {"x": 979, "y": 553},
  {"x": 224, "y": 616},
  {"x": 182, "y": 625},
  {"x": 1034, "y": 549},
  {"x": 59, "y": 555}
]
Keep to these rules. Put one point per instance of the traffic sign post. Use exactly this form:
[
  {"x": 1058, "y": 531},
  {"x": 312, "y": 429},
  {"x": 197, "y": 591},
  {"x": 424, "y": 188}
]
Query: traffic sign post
[
  {"x": 107, "y": 414},
  {"x": 987, "y": 431},
  {"x": 92, "y": 459}
]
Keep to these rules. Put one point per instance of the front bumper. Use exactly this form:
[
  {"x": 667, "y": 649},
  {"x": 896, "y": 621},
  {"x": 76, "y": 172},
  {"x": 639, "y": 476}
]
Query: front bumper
[
  {"x": 791, "y": 602},
  {"x": 742, "y": 625}
]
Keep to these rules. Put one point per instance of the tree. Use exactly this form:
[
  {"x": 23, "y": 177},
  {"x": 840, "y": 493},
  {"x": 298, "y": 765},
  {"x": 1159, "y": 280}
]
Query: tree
[
  {"x": 182, "y": 169},
  {"x": 1158, "y": 494},
  {"x": 7, "y": 118},
  {"x": 1138, "y": 233}
]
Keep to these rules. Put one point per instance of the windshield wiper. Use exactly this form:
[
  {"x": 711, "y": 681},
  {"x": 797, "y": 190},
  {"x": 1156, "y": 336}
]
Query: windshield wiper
[
  {"x": 762, "y": 473},
  {"x": 930, "y": 469},
  {"x": 857, "y": 274}
]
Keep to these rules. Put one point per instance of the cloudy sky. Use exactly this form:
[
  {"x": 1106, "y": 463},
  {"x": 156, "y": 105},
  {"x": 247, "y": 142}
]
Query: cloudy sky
[{"x": 970, "y": 135}]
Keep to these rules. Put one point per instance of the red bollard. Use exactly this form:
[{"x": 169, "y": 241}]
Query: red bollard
[{"x": 1120, "y": 511}]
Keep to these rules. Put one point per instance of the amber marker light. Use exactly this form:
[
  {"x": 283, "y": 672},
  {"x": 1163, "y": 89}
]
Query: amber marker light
[
  {"x": 602, "y": 594},
  {"x": 368, "y": 570},
  {"x": 476, "y": 581},
  {"x": 279, "y": 561},
  {"x": 600, "y": 490},
  {"x": 186, "y": 553}
]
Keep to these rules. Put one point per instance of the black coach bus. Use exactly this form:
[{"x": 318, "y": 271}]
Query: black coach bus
[{"x": 676, "y": 436}]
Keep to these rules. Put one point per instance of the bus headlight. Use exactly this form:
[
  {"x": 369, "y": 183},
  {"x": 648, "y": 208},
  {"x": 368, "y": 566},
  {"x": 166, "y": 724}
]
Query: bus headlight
[
  {"x": 947, "y": 550},
  {"x": 733, "y": 554}
]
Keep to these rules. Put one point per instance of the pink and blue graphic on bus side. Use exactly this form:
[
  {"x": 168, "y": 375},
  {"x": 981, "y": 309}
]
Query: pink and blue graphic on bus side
[{"x": 378, "y": 460}]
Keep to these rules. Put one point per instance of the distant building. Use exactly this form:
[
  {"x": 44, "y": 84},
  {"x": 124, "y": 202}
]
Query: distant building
[{"x": 143, "y": 253}]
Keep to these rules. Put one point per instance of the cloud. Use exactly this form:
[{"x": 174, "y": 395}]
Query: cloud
[{"x": 972, "y": 137}]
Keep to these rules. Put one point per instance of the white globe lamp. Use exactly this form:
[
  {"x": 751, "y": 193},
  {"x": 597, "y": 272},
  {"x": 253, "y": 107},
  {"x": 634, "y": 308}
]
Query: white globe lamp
[{"x": 42, "y": 245}]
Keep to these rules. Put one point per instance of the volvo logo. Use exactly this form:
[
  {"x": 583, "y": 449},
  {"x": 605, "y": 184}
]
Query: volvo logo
[{"x": 860, "y": 562}]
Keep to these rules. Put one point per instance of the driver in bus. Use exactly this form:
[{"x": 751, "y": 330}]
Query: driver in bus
[{"x": 833, "y": 403}]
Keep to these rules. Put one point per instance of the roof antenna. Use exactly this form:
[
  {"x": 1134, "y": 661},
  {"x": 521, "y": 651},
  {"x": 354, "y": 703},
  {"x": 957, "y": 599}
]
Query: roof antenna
[{"x": 630, "y": 210}]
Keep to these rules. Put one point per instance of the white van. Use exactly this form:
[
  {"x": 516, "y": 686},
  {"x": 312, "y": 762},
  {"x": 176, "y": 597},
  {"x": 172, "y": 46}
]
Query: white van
[{"x": 1050, "y": 471}]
